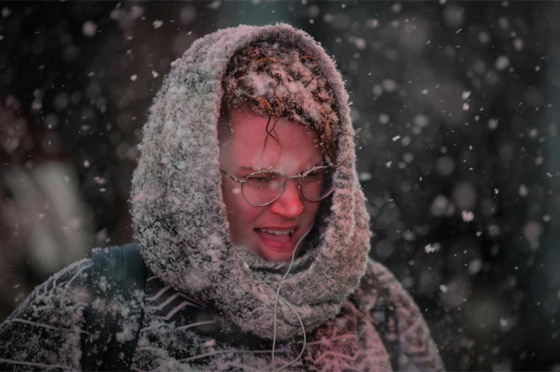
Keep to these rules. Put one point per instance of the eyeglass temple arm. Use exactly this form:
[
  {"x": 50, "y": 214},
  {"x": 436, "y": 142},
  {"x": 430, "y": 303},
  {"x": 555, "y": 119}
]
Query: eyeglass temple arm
[{"x": 232, "y": 177}]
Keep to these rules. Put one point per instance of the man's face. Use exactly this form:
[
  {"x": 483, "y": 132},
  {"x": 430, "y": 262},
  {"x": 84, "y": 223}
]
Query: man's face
[{"x": 271, "y": 231}]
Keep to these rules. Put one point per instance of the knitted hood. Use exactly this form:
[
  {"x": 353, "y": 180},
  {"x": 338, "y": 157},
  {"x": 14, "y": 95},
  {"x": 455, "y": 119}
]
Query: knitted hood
[{"x": 180, "y": 218}]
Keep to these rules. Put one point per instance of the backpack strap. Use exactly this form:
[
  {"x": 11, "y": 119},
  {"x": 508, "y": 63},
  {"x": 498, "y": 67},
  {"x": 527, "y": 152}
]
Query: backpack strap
[{"x": 117, "y": 274}]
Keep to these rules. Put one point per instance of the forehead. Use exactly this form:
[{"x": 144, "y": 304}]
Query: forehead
[{"x": 285, "y": 144}]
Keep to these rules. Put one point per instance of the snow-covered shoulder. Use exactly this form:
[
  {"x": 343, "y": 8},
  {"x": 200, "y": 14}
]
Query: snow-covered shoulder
[
  {"x": 417, "y": 350},
  {"x": 44, "y": 331}
]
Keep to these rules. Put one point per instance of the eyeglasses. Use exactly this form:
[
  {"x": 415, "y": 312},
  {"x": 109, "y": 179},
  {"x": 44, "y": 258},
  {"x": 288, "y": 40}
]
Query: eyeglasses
[{"x": 263, "y": 187}]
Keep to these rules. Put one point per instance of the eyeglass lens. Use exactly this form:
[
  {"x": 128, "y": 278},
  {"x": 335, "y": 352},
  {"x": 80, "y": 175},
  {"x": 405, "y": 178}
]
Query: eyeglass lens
[{"x": 262, "y": 188}]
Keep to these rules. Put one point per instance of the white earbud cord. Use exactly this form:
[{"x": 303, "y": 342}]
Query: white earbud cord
[
  {"x": 290, "y": 305},
  {"x": 277, "y": 297}
]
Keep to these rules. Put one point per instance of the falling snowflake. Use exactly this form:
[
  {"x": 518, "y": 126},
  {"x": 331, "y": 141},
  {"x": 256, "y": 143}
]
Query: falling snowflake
[
  {"x": 523, "y": 190},
  {"x": 89, "y": 28},
  {"x": 467, "y": 216},
  {"x": 384, "y": 118},
  {"x": 365, "y": 176},
  {"x": 501, "y": 63},
  {"x": 431, "y": 248},
  {"x": 493, "y": 124}
]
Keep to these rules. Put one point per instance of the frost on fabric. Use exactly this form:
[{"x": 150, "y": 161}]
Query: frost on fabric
[
  {"x": 45, "y": 330},
  {"x": 183, "y": 235},
  {"x": 189, "y": 206}
]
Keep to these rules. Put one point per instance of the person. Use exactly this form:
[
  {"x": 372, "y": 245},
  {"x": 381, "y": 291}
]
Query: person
[{"x": 253, "y": 229}]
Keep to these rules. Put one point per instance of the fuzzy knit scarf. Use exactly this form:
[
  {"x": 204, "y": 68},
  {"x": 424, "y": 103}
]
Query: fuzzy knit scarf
[{"x": 180, "y": 218}]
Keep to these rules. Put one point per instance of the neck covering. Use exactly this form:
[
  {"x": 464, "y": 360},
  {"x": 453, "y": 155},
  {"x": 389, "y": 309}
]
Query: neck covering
[{"x": 180, "y": 218}]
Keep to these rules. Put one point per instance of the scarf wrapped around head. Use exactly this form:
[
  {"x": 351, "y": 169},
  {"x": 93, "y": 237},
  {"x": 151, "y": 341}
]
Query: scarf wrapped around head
[{"x": 180, "y": 218}]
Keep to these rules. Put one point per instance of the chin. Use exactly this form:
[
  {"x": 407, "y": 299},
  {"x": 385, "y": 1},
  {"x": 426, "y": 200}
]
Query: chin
[
  {"x": 281, "y": 257},
  {"x": 275, "y": 254}
]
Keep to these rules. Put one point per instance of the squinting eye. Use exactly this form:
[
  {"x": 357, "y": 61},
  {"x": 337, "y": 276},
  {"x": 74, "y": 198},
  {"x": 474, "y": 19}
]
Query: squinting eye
[
  {"x": 314, "y": 174},
  {"x": 262, "y": 178},
  {"x": 259, "y": 179}
]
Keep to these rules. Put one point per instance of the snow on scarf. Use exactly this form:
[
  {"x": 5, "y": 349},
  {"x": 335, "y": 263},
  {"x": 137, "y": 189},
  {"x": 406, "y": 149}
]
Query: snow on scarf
[{"x": 180, "y": 218}]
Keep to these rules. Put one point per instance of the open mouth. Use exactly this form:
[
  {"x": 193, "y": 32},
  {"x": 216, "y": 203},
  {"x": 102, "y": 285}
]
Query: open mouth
[{"x": 279, "y": 236}]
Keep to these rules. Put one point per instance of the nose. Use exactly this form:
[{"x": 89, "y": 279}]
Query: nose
[{"x": 289, "y": 203}]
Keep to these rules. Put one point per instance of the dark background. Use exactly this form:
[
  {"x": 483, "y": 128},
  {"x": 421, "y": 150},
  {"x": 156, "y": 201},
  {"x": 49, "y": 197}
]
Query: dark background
[{"x": 457, "y": 106}]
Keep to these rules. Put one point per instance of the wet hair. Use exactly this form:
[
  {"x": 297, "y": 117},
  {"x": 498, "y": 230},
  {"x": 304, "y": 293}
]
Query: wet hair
[{"x": 277, "y": 80}]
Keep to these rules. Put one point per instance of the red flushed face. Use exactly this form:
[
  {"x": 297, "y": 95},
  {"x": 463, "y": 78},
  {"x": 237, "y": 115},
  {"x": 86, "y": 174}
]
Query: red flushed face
[{"x": 271, "y": 231}]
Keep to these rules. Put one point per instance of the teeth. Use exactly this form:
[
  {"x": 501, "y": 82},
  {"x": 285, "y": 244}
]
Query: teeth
[{"x": 277, "y": 232}]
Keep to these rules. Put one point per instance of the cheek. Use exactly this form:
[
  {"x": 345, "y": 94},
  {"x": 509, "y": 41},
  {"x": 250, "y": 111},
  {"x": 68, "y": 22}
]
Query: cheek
[
  {"x": 240, "y": 214},
  {"x": 311, "y": 209},
  {"x": 232, "y": 197},
  {"x": 234, "y": 192}
]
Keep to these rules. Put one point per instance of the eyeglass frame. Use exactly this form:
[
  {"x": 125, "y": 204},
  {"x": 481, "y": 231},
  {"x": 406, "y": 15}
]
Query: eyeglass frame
[{"x": 299, "y": 177}]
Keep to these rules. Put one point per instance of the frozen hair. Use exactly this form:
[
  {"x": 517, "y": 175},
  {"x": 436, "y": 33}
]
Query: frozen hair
[{"x": 278, "y": 80}]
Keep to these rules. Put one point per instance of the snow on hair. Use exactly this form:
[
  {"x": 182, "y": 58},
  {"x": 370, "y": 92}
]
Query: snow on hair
[{"x": 280, "y": 80}]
